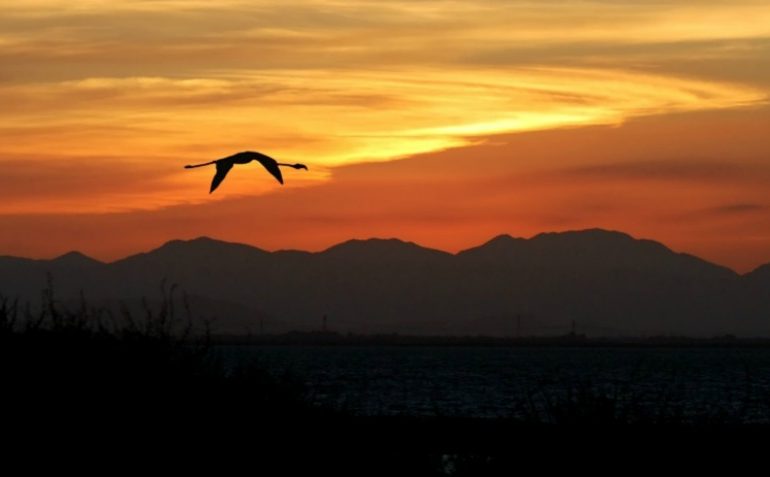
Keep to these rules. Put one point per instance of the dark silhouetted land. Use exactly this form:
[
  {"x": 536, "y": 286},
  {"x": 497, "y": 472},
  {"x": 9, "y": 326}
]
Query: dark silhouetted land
[
  {"x": 87, "y": 392},
  {"x": 112, "y": 372}
]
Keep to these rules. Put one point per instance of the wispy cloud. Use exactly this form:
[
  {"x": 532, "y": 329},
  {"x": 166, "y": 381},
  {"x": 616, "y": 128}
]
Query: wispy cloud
[
  {"x": 740, "y": 210},
  {"x": 99, "y": 184},
  {"x": 678, "y": 170}
]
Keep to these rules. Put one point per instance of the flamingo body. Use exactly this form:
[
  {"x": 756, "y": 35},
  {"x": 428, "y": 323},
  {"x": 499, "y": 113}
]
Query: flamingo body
[{"x": 226, "y": 163}]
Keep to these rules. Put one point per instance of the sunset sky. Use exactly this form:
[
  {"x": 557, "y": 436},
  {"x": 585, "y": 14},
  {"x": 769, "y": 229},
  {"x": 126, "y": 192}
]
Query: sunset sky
[{"x": 440, "y": 122}]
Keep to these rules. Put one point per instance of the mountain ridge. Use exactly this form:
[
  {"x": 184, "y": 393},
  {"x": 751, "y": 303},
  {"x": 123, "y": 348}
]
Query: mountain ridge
[
  {"x": 496, "y": 241},
  {"x": 607, "y": 281}
]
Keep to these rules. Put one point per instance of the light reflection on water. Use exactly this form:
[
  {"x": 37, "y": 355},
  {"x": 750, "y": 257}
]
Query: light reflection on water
[{"x": 732, "y": 383}]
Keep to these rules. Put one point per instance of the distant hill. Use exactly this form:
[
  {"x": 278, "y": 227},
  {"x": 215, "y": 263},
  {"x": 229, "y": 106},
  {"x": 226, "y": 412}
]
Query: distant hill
[{"x": 608, "y": 283}]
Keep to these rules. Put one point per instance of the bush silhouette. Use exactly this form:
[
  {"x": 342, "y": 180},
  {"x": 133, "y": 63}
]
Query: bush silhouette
[{"x": 89, "y": 391}]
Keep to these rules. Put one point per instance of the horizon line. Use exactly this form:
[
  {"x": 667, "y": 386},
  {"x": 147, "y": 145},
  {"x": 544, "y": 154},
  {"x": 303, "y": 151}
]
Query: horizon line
[{"x": 354, "y": 239}]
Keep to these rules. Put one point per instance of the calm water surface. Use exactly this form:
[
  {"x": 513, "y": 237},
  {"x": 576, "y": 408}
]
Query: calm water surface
[{"x": 498, "y": 382}]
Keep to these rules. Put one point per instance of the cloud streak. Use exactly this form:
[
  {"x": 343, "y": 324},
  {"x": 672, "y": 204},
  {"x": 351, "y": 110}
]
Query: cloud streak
[
  {"x": 675, "y": 170},
  {"x": 332, "y": 119}
]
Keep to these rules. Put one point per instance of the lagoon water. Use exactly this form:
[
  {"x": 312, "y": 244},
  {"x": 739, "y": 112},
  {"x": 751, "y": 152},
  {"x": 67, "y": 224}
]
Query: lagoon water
[{"x": 730, "y": 384}]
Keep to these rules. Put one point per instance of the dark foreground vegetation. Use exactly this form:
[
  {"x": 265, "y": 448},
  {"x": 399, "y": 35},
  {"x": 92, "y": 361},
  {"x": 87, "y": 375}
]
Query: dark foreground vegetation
[{"x": 88, "y": 392}]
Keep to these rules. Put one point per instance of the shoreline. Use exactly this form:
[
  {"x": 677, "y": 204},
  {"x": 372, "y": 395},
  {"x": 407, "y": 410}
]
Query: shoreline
[{"x": 327, "y": 338}]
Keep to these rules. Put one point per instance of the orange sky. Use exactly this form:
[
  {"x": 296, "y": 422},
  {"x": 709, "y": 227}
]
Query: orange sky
[{"x": 441, "y": 122}]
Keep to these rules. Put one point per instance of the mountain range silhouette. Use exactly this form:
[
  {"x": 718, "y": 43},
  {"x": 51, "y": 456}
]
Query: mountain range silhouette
[{"x": 608, "y": 283}]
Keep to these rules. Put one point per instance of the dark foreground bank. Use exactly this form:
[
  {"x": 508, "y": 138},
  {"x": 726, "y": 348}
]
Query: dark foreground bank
[
  {"x": 86, "y": 393},
  {"x": 233, "y": 443}
]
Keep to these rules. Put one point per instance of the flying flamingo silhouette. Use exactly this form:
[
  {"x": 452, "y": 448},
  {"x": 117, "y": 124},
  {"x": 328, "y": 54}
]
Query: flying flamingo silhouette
[{"x": 226, "y": 163}]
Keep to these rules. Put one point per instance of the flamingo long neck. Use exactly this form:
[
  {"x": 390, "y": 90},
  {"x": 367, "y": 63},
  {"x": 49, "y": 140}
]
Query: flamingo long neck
[{"x": 190, "y": 166}]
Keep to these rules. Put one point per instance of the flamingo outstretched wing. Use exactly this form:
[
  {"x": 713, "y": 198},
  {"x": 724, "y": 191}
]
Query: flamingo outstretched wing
[
  {"x": 223, "y": 167},
  {"x": 272, "y": 167}
]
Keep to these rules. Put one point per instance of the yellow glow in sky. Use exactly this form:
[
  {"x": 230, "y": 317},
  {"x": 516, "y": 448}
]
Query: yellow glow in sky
[{"x": 321, "y": 118}]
